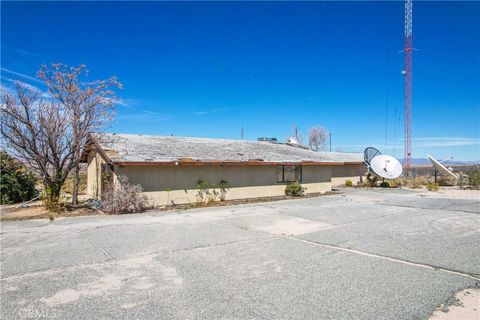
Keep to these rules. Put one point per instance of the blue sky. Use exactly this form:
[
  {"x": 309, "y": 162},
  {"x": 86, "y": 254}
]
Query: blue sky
[{"x": 209, "y": 69}]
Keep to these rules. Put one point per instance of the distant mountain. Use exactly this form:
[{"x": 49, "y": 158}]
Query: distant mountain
[{"x": 426, "y": 161}]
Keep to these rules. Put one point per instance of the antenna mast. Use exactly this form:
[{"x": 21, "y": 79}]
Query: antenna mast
[{"x": 407, "y": 72}]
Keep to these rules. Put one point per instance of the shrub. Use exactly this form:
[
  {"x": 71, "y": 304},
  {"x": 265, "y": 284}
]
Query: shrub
[
  {"x": 474, "y": 177},
  {"x": 295, "y": 189},
  {"x": 124, "y": 198},
  {"x": 223, "y": 185},
  {"x": 56, "y": 206},
  {"x": 17, "y": 184},
  {"x": 208, "y": 192},
  {"x": 446, "y": 181},
  {"x": 420, "y": 181},
  {"x": 395, "y": 183},
  {"x": 432, "y": 187},
  {"x": 385, "y": 184},
  {"x": 348, "y": 183},
  {"x": 371, "y": 180},
  {"x": 203, "y": 193}
]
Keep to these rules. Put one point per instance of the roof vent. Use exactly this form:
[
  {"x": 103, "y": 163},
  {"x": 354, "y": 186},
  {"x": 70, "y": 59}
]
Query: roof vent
[{"x": 267, "y": 139}]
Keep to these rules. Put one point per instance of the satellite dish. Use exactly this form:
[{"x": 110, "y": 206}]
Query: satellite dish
[
  {"x": 369, "y": 153},
  {"x": 386, "y": 166},
  {"x": 293, "y": 140},
  {"x": 441, "y": 168}
]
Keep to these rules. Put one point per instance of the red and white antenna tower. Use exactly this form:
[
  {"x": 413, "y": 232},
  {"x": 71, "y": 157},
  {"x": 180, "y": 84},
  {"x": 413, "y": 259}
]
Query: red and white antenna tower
[{"x": 407, "y": 72}]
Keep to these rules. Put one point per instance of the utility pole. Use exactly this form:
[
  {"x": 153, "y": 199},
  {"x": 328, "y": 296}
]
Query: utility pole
[{"x": 330, "y": 137}]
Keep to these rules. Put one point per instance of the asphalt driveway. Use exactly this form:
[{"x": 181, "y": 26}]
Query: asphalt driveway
[{"x": 367, "y": 254}]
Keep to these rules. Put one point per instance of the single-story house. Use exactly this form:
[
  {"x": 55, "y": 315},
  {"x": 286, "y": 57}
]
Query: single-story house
[{"x": 170, "y": 168}]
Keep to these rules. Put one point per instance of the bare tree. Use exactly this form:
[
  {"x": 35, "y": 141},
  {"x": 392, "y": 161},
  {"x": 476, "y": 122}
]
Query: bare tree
[
  {"x": 49, "y": 133},
  {"x": 317, "y": 137},
  {"x": 37, "y": 132},
  {"x": 89, "y": 105},
  {"x": 297, "y": 134}
]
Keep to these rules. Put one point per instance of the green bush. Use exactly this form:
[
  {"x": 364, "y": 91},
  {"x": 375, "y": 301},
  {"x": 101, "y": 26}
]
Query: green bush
[
  {"x": 295, "y": 189},
  {"x": 348, "y": 183},
  {"x": 432, "y": 187},
  {"x": 17, "y": 184}
]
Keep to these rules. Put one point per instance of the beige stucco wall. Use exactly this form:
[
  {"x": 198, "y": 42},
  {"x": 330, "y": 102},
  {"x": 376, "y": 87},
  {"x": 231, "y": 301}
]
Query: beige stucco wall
[
  {"x": 243, "y": 181},
  {"x": 94, "y": 175},
  {"x": 356, "y": 173},
  {"x": 164, "y": 184}
]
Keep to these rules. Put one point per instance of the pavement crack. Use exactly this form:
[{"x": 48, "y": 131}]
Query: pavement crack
[
  {"x": 104, "y": 252},
  {"x": 220, "y": 244},
  {"x": 387, "y": 258},
  {"x": 426, "y": 208}
]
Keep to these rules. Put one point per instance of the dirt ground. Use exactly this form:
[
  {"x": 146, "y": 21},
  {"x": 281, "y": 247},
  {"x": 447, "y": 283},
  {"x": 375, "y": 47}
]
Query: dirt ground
[
  {"x": 466, "y": 306},
  {"x": 35, "y": 210}
]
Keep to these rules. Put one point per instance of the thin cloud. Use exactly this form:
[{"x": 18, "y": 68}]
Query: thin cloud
[
  {"x": 204, "y": 112},
  {"x": 21, "y": 75},
  {"x": 22, "y": 52},
  {"x": 128, "y": 103},
  {"x": 44, "y": 94},
  {"x": 425, "y": 142},
  {"x": 446, "y": 142}
]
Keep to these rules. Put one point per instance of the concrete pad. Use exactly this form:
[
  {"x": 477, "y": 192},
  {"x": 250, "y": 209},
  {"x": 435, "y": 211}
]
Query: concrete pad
[{"x": 336, "y": 257}]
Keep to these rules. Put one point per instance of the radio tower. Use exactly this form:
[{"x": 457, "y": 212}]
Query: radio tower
[{"x": 407, "y": 72}]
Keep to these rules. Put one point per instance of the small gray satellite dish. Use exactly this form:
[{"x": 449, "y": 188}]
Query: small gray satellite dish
[
  {"x": 369, "y": 153},
  {"x": 386, "y": 166},
  {"x": 441, "y": 168}
]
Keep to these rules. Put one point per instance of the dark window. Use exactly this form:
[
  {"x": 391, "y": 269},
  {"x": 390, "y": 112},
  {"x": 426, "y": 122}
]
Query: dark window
[{"x": 289, "y": 173}]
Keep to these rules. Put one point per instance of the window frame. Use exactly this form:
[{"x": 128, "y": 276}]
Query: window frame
[{"x": 298, "y": 172}]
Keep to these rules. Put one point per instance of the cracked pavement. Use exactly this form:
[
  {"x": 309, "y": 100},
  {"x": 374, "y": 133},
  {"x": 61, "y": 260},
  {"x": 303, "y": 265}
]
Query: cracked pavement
[{"x": 364, "y": 254}]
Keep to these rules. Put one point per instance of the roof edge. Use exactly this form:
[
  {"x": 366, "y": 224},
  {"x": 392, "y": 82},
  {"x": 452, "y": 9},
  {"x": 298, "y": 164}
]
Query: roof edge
[{"x": 231, "y": 163}]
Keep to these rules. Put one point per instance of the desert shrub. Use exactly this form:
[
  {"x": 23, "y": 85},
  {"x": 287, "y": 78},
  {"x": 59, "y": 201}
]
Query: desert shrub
[
  {"x": 395, "y": 183},
  {"x": 223, "y": 185},
  {"x": 295, "y": 189},
  {"x": 17, "y": 184},
  {"x": 385, "y": 184},
  {"x": 432, "y": 187},
  {"x": 474, "y": 177},
  {"x": 58, "y": 205},
  {"x": 207, "y": 192},
  {"x": 446, "y": 181},
  {"x": 203, "y": 193},
  {"x": 348, "y": 183},
  {"x": 420, "y": 181},
  {"x": 371, "y": 180},
  {"x": 124, "y": 198}
]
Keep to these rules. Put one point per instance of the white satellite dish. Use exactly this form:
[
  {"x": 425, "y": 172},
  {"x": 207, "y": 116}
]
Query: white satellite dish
[
  {"x": 292, "y": 140},
  {"x": 441, "y": 168},
  {"x": 386, "y": 166},
  {"x": 370, "y": 153}
]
